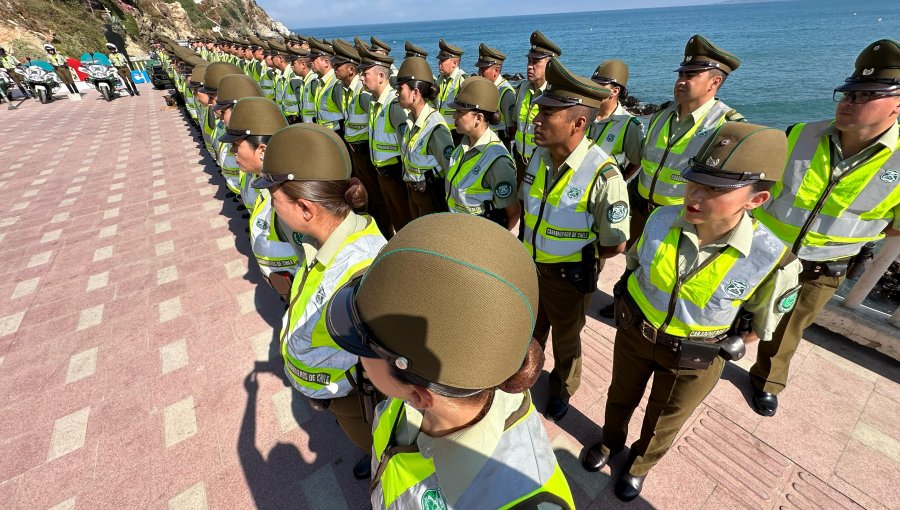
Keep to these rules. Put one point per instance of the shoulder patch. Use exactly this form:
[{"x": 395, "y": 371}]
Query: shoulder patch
[
  {"x": 610, "y": 171},
  {"x": 788, "y": 300},
  {"x": 634, "y": 120},
  {"x": 617, "y": 212},
  {"x": 503, "y": 190},
  {"x": 448, "y": 151},
  {"x": 733, "y": 115}
]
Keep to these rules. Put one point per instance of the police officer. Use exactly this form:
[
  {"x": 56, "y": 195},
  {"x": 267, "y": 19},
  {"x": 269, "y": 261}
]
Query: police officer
[
  {"x": 303, "y": 82},
  {"x": 317, "y": 199},
  {"x": 380, "y": 47},
  {"x": 448, "y": 82},
  {"x": 576, "y": 214},
  {"x": 490, "y": 66},
  {"x": 233, "y": 87},
  {"x": 426, "y": 145},
  {"x": 327, "y": 97},
  {"x": 616, "y": 131},
  {"x": 282, "y": 71},
  {"x": 10, "y": 63},
  {"x": 386, "y": 124},
  {"x": 839, "y": 193},
  {"x": 529, "y": 89},
  {"x": 481, "y": 179},
  {"x": 211, "y": 78},
  {"x": 121, "y": 64},
  {"x": 694, "y": 272},
  {"x": 413, "y": 51},
  {"x": 458, "y": 429},
  {"x": 252, "y": 123},
  {"x": 200, "y": 101},
  {"x": 676, "y": 132},
  {"x": 61, "y": 67}
]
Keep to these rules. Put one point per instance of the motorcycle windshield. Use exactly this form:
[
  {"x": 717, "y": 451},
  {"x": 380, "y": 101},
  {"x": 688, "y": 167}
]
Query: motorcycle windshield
[
  {"x": 42, "y": 64},
  {"x": 95, "y": 58}
]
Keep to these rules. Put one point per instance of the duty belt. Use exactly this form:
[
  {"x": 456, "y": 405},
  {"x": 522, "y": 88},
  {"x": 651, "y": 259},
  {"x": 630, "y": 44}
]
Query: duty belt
[{"x": 816, "y": 268}]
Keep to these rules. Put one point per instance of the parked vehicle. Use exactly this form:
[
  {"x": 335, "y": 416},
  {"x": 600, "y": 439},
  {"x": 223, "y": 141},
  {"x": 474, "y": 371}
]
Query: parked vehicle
[
  {"x": 41, "y": 82},
  {"x": 104, "y": 78}
]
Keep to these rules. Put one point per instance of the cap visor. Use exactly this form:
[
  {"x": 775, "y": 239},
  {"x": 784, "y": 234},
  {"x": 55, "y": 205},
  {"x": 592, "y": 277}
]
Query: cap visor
[
  {"x": 205, "y": 90},
  {"x": 695, "y": 67},
  {"x": 712, "y": 181},
  {"x": 453, "y": 105},
  {"x": 546, "y": 100},
  {"x": 229, "y": 138},
  {"x": 866, "y": 86},
  {"x": 538, "y": 54},
  {"x": 261, "y": 182},
  {"x": 339, "y": 321},
  {"x": 218, "y": 107}
]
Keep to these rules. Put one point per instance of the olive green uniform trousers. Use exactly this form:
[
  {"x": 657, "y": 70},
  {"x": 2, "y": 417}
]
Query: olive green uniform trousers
[
  {"x": 561, "y": 309},
  {"x": 396, "y": 199},
  {"x": 364, "y": 170},
  {"x": 674, "y": 396},
  {"x": 349, "y": 416},
  {"x": 770, "y": 372}
]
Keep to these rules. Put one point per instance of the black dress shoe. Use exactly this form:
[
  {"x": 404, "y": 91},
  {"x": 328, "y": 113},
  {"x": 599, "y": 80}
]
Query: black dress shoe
[
  {"x": 594, "y": 459},
  {"x": 242, "y": 207},
  {"x": 629, "y": 486},
  {"x": 363, "y": 469},
  {"x": 765, "y": 403},
  {"x": 557, "y": 408},
  {"x": 607, "y": 312}
]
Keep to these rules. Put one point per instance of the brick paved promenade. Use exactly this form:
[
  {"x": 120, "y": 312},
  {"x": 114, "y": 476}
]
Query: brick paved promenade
[{"x": 131, "y": 320}]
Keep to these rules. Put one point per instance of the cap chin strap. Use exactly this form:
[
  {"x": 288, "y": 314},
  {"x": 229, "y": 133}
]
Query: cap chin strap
[
  {"x": 743, "y": 176},
  {"x": 704, "y": 63}
]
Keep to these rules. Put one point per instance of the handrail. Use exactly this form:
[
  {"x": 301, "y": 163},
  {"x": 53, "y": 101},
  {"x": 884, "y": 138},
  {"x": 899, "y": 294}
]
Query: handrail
[{"x": 883, "y": 259}]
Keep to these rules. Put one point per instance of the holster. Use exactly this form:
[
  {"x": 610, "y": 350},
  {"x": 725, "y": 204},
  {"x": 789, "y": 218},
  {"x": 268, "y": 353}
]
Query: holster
[
  {"x": 625, "y": 310},
  {"x": 365, "y": 392},
  {"x": 861, "y": 261},
  {"x": 281, "y": 281},
  {"x": 498, "y": 216},
  {"x": 697, "y": 354},
  {"x": 814, "y": 269},
  {"x": 319, "y": 404}
]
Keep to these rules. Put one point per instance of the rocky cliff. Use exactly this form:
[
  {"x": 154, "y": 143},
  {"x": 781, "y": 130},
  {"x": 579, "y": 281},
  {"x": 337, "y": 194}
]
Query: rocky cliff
[{"x": 77, "y": 26}]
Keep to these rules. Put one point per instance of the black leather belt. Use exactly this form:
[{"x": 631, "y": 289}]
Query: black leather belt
[{"x": 814, "y": 268}]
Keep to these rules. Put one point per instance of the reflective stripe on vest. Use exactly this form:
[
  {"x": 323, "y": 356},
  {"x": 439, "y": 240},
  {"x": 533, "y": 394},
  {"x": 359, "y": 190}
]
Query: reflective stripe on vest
[
  {"x": 384, "y": 148},
  {"x": 707, "y": 301},
  {"x": 521, "y": 466},
  {"x": 249, "y": 194},
  {"x": 609, "y": 134},
  {"x": 272, "y": 254},
  {"x": 414, "y": 149},
  {"x": 447, "y": 90},
  {"x": 465, "y": 192},
  {"x": 267, "y": 81},
  {"x": 290, "y": 104},
  {"x": 208, "y": 130},
  {"x": 504, "y": 88},
  {"x": 663, "y": 160},
  {"x": 117, "y": 60},
  {"x": 314, "y": 364},
  {"x": 853, "y": 210},
  {"x": 356, "y": 127},
  {"x": 328, "y": 113},
  {"x": 558, "y": 221},
  {"x": 527, "y": 111},
  {"x": 307, "y": 98}
]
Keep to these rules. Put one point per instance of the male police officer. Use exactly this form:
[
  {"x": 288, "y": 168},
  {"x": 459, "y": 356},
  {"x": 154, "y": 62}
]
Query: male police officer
[
  {"x": 121, "y": 64},
  {"x": 327, "y": 98},
  {"x": 451, "y": 76},
  {"x": 840, "y": 191},
  {"x": 616, "y": 131},
  {"x": 9, "y": 63},
  {"x": 526, "y": 108},
  {"x": 490, "y": 66},
  {"x": 677, "y": 131},
  {"x": 576, "y": 213}
]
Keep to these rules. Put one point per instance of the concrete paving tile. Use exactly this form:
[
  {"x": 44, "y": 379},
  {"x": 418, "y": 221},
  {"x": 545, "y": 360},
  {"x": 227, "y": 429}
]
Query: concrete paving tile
[
  {"x": 169, "y": 309},
  {"x": 871, "y": 472},
  {"x": 68, "y": 434},
  {"x": 52, "y": 235},
  {"x": 90, "y": 317},
  {"x": 322, "y": 491},
  {"x": 10, "y": 323},
  {"x": 82, "y": 365},
  {"x": 163, "y": 226},
  {"x": 108, "y": 231},
  {"x": 103, "y": 253},
  {"x": 877, "y": 440},
  {"x": 68, "y": 504},
  {"x": 173, "y": 356},
  {"x": 160, "y": 209},
  {"x": 165, "y": 248},
  {"x": 25, "y": 287},
  {"x": 114, "y": 198},
  {"x": 39, "y": 259},
  {"x": 194, "y": 498},
  {"x": 166, "y": 275},
  {"x": 801, "y": 442},
  {"x": 97, "y": 281},
  {"x": 180, "y": 421},
  {"x": 19, "y": 206},
  {"x": 111, "y": 213}
]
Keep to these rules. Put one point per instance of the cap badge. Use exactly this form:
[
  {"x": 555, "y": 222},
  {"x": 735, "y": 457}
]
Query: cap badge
[
  {"x": 711, "y": 161},
  {"x": 867, "y": 72},
  {"x": 688, "y": 58},
  {"x": 876, "y": 47},
  {"x": 401, "y": 363},
  {"x": 725, "y": 141}
]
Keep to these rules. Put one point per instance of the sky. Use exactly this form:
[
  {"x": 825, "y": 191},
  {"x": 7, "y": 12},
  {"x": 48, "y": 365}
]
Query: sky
[{"x": 304, "y": 14}]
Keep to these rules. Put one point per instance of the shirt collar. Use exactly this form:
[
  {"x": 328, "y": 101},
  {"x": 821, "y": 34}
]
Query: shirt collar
[
  {"x": 702, "y": 110},
  {"x": 459, "y": 457},
  {"x": 574, "y": 160},
  {"x": 382, "y": 98},
  {"x": 310, "y": 76},
  {"x": 352, "y": 223},
  {"x": 740, "y": 237},
  {"x": 500, "y": 79},
  {"x": 889, "y": 138},
  {"x": 423, "y": 116},
  {"x": 487, "y": 137}
]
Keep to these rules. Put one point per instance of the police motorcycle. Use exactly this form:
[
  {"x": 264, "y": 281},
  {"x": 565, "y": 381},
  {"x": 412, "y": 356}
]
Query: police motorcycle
[
  {"x": 6, "y": 84},
  {"x": 102, "y": 77},
  {"x": 41, "y": 82}
]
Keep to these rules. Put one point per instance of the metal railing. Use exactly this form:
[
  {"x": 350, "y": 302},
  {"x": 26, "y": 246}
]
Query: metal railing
[{"x": 861, "y": 289}]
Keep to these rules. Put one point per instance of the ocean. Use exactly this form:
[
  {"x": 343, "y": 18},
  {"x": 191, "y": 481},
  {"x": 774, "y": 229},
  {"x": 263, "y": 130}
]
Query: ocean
[{"x": 793, "y": 53}]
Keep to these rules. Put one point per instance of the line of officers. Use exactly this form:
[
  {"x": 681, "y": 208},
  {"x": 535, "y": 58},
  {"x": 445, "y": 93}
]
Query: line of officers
[{"x": 734, "y": 233}]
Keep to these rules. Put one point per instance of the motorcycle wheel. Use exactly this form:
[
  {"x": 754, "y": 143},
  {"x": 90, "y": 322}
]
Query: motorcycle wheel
[
  {"x": 42, "y": 95},
  {"x": 106, "y": 93}
]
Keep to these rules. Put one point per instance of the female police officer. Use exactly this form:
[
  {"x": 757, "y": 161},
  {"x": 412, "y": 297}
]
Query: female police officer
[
  {"x": 482, "y": 175},
  {"x": 307, "y": 170},
  {"x": 427, "y": 144},
  {"x": 694, "y": 270},
  {"x": 252, "y": 122},
  {"x": 454, "y": 354}
]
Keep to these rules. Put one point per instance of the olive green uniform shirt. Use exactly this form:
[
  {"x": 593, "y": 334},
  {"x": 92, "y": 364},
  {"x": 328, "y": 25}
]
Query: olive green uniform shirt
[
  {"x": 840, "y": 166},
  {"x": 313, "y": 253},
  {"x": 440, "y": 141},
  {"x": 681, "y": 126},
  {"x": 634, "y": 135},
  {"x": 763, "y": 303},
  {"x": 507, "y": 105},
  {"x": 501, "y": 171},
  {"x": 607, "y": 193}
]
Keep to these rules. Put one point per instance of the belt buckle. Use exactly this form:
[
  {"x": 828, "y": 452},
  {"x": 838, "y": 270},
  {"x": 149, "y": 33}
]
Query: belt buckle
[
  {"x": 648, "y": 331},
  {"x": 419, "y": 186}
]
